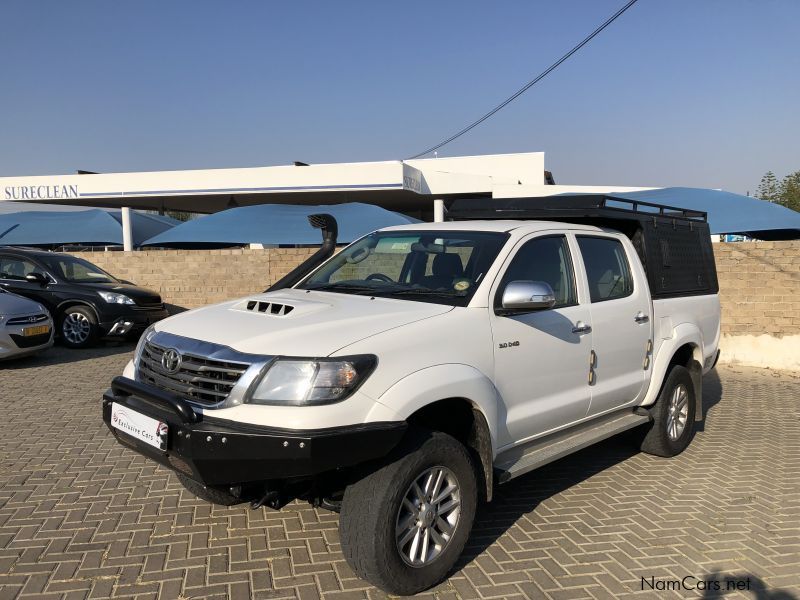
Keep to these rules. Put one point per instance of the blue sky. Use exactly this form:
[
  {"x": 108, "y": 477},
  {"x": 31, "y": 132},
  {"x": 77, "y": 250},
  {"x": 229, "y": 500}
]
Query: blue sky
[{"x": 681, "y": 92}]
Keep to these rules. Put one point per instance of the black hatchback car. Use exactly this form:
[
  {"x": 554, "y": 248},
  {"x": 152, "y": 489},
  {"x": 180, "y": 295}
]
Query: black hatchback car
[{"x": 86, "y": 302}]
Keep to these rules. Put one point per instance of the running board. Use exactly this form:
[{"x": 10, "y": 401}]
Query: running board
[{"x": 523, "y": 459}]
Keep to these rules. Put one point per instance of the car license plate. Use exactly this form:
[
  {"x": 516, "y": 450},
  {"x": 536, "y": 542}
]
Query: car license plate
[
  {"x": 37, "y": 330},
  {"x": 135, "y": 424}
]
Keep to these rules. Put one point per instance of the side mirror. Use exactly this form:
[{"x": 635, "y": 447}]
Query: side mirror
[
  {"x": 527, "y": 296},
  {"x": 36, "y": 278}
]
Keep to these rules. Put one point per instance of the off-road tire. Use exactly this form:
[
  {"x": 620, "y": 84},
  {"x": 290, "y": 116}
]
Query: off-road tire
[
  {"x": 83, "y": 314},
  {"x": 657, "y": 440},
  {"x": 208, "y": 494},
  {"x": 370, "y": 507}
]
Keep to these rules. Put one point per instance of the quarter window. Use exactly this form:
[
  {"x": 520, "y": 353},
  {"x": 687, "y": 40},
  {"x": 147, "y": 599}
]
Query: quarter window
[
  {"x": 544, "y": 259},
  {"x": 607, "y": 268}
]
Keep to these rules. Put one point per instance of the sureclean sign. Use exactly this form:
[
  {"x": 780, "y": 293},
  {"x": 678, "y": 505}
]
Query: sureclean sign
[{"x": 39, "y": 192}]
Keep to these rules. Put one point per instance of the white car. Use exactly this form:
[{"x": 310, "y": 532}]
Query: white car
[
  {"x": 398, "y": 381},
  {"x": 25, "y": 326}
]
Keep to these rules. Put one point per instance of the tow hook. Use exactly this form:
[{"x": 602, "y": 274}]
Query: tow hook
[{"x": 272, "y": 499}]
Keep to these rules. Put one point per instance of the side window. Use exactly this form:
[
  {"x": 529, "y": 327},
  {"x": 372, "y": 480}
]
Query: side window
[
  {"x": 607, "y": 268},
  {"x": 544, "y": 259},
  {"x": 15, "y": 268}
]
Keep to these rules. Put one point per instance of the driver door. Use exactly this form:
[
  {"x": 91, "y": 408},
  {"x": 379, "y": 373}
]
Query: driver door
[
  {"x": 541, "y": 363},
  {"x": 13, "y": 270}
]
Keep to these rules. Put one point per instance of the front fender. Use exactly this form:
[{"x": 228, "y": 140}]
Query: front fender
[{"x": 440, "y": 382}]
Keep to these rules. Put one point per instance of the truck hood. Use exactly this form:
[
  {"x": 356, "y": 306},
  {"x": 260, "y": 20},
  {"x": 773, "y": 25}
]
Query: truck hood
[{"x": 296, "y": 322}]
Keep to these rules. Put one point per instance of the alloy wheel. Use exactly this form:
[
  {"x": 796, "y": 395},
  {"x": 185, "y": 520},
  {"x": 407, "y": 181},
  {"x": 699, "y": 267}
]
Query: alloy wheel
[
  {"x": 76, "y": 328},
  {"x": 428, "y": 516},
  {"x": 677, "y": 412}
]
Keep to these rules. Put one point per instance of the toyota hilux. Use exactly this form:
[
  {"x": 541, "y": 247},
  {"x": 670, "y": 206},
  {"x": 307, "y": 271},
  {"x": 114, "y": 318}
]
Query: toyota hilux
[{"x": 401, "y": 379}]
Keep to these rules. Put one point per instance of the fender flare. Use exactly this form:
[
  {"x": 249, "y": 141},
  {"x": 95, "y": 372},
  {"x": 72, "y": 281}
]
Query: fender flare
[
  {"x": 73, "y": 302},
  {"x": 682, "y": 334},
  {"x": 448, "y": 381}
]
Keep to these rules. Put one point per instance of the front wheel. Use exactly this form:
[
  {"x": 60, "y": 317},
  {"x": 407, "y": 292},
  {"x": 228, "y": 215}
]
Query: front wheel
[
  {"x": 673, "y": 415},
  {"x": 78, "y": 327},
  {"x": 404, "y": 526}
]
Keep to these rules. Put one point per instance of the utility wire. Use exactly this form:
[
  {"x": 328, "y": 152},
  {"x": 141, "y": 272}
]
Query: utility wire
[{"x": 531, "y": 83}]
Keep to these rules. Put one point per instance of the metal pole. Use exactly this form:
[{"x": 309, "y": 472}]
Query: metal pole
[
  {"x": 438, "y": 211},
  {"x": 127, "y": 229}
]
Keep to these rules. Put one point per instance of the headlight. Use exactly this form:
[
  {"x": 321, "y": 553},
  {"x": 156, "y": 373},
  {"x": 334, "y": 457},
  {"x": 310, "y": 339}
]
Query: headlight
[
  {"x": 138, "y": 352},
  {"x": 114, "y": 298},
  {"x": 306, "y": 382}
]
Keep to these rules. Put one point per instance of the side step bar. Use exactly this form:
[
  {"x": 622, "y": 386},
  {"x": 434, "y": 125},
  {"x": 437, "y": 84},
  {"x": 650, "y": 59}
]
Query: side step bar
[{"x": 523, "y": 459}]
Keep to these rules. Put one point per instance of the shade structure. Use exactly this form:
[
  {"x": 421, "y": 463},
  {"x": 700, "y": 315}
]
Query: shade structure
[
  {"x": 727, "y": 212},
  {"x": 95, "y": 227},
  {"x": 276, "y": 224}
]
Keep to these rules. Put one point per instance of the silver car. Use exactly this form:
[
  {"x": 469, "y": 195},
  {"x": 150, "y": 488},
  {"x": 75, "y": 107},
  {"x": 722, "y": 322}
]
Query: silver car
[{"x": 25, "y": 326}]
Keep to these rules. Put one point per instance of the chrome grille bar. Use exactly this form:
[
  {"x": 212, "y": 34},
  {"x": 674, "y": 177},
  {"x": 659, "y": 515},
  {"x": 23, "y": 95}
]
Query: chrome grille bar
[
  {"x": 201, "y": 379},
  {"x": 27, "y": 320}
]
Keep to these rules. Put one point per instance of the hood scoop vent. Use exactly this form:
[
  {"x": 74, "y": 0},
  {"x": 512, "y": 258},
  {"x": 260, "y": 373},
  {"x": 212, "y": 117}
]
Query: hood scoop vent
[{"x": 269, "y": 308}]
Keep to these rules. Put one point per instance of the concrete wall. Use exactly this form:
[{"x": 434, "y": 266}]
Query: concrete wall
[{"x": 759, "y": 288}]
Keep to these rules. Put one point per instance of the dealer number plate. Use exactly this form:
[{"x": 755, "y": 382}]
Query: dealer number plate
[
  {"x": 144, "y": 428},
  {"x": 38, "y": 330}
]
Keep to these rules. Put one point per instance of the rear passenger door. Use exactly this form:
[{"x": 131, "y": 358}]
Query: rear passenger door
[{"x": 621, "y": 321}]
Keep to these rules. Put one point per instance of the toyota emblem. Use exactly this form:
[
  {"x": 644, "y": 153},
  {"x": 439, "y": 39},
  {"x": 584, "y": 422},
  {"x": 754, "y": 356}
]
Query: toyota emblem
[{"x": 171, "y": 360}]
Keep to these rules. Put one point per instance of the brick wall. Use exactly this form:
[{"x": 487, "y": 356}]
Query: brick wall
[
  {"x": 759, "y": 286},
  {"x": 192, "y": 278},
  {"x": 759, "y": 281}
]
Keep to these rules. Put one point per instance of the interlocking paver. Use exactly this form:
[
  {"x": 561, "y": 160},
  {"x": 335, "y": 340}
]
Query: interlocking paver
[{"x": 83, "y": 517}]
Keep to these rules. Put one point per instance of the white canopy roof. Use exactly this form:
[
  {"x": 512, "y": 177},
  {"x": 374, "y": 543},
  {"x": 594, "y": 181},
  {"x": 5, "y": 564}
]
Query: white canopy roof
[{"x": 395, "y": 185}]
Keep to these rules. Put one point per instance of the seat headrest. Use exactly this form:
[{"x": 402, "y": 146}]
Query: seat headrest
[{"x": 447, "y": 265}]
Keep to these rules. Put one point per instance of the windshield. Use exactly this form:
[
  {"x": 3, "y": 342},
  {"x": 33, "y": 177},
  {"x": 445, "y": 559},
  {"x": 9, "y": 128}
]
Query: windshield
[
  {"x": 77, "y": 270},
  {"x": 444, "y": 267}
]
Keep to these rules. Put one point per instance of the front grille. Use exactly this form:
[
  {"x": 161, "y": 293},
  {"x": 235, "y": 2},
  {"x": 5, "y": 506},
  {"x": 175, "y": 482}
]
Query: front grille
[
  {"x": 29, "y": 341},
  {"x": 199, "y": 379},
  {"x": 27, "y": 320},
  {"x": 149, "y": 306}
]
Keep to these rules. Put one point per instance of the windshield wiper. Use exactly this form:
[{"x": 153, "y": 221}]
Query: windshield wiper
[
  {"x": 425, "y": 292},
  {"x": 343, "y": 287}
]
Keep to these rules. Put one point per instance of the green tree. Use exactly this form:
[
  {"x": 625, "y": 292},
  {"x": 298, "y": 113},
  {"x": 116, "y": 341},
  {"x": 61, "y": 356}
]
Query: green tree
[
  {"x": 789, "y": 191},
  {"x": 769, "y": 189}
]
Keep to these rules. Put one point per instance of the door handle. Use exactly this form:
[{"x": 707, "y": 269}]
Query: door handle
[
  {"x": 581, "y": 327},
  {"x": 641, "y": 317}
]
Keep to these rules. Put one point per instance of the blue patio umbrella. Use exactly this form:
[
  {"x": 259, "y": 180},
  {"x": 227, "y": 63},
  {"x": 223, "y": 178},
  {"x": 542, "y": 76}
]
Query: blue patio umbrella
[
  {"x": 276, "y": 224},
  {"x": 93, "y": 227}
]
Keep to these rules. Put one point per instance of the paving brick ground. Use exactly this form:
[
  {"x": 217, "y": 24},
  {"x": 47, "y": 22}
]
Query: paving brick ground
[{"x": 83, "y": 517}]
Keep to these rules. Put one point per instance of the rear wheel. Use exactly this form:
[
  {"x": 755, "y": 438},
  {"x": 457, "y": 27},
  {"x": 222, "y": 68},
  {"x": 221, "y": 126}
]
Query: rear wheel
[
  {"x": 404, "y": 526},
  {"x": 673, "y": 415},
  {"x": 78, "y": 327}
]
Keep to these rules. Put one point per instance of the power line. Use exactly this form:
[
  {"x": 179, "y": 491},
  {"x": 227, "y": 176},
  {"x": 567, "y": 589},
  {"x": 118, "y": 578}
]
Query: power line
[{"x": 531, "y": 83}]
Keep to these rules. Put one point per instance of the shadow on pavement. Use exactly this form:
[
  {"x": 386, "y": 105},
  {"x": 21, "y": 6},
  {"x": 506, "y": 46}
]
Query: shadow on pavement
[
  {"x": 59, "y": 355},
  {"x": 712, "y": 394},
  {"x": 746, "y": 583},
  {"x": 521, "y": 496}
]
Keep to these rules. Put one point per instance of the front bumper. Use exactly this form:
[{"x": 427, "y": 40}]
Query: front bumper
[
  {"x": 14, "y": 343},
  {"x": 226, "y": 453},
  {"x": 123, "y": 319}
]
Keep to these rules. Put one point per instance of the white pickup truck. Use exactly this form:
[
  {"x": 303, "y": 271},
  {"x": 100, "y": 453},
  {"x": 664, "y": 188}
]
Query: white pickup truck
[{"x": 399, "y": 380}]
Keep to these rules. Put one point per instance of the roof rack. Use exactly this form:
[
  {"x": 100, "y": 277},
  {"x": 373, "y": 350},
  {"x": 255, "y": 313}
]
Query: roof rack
[{"x": 580, "y": 206}]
